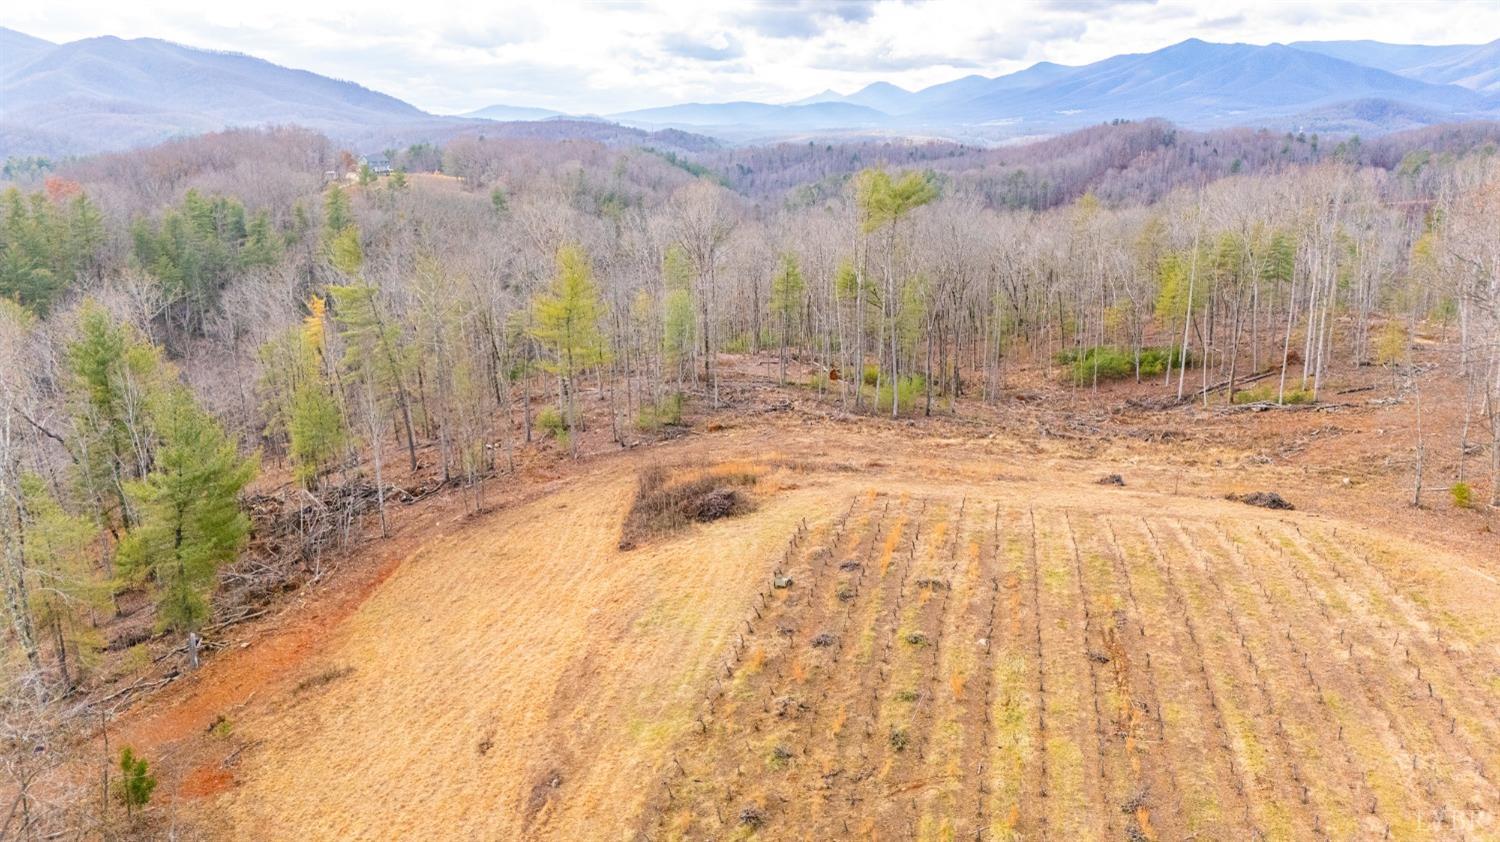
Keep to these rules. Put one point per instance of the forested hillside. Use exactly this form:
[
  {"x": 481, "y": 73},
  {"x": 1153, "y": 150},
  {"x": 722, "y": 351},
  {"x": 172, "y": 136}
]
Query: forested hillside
[{"x": 191, "y": 330}]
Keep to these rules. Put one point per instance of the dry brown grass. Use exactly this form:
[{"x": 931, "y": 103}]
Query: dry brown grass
[
  {"x": 580, "y": 664},
  {"x": 1190, "y": 650}
]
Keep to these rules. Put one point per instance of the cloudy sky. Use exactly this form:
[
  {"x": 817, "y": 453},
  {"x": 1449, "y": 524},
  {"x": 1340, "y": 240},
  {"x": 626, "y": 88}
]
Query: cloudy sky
[{"x": 603, "y": 57}]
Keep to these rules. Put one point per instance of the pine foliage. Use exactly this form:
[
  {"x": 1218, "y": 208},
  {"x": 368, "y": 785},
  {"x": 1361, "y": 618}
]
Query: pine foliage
[{"x": 191, "y": 522}]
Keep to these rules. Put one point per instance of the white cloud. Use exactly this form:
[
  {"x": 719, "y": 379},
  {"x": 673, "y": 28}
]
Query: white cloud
[{"x": 603, "y": 57}]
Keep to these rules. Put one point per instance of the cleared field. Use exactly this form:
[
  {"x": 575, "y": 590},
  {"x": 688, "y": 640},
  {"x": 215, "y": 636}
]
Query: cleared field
[
  {"x": 952, "y": 666},
  {"x": 995, "y": 660}
]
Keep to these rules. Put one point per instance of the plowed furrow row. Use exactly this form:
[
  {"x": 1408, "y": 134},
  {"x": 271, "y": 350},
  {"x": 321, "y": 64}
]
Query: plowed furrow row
[
  {"x": 1154, "y": 792},
  {"x": 1362, "y": 713},
  {"x": 1283, "y": 803},
  {"x": 1229, "y": 811}
]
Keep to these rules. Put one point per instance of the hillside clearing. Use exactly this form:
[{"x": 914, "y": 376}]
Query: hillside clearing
[{"x": 960, "y": 650}]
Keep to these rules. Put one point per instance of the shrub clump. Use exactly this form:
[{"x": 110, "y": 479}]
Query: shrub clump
[
  {"x": 1107, "y": 363},
  {"x": 667, "y": 501},
  {"x": 1267, "y": 394},
  {"x": 1462, "y": 494},
  {"x": 905, "y": 392},
  {"x": 552, "y": 422},
  {"x": 752, "y": 818},
  {"x": 665, "y": 413}
]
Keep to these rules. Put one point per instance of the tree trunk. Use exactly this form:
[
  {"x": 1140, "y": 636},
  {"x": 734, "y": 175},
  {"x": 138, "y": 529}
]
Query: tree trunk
[
  {"x": 1188, "y": 316},
  {"x": 372, "y": 421},
  {"x": 17, "y": 600}
]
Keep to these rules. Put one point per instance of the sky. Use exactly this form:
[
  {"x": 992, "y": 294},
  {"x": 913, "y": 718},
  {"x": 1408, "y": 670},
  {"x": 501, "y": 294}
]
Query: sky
[{"x": 607, "y": 57}]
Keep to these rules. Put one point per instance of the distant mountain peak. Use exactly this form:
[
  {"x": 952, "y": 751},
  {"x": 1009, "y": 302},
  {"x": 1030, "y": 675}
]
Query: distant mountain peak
[
  {"x": 515, "y": 112},
  {"x": 1192, "y": 82},
  {"x": 10, "y": 36},
  {"x": 825, "y": 95},
  {"x": 883, "y": 87},
  {"x": 18, "y": 48}
]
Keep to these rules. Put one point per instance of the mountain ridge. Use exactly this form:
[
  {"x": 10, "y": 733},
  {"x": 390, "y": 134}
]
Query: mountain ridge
[
  {"x": 1196, "y": 81},
  {"x": 105, "y": 92},
  {"x": 18, "y": 48},
  {"x": 1473, "y": 66},
  {"x": 1192, "y": 82}
]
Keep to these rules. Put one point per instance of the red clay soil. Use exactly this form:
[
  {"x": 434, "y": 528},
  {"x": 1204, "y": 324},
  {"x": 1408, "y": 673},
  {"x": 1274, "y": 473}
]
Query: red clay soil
[
  {"x": 262, "y": 659},
  {"x": 259, "y": 661},
  {"x": 206, "y": 779}
]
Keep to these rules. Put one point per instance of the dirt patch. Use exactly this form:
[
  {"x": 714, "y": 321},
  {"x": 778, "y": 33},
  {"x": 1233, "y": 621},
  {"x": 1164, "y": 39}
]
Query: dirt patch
[
  {"x": 565, "y": 653},
  {"x": 542, "y": 792},
  {"x": 663, "y": 683},
  {"x": 1100, "y": 602},
  {"x": 205, "y": 780}
]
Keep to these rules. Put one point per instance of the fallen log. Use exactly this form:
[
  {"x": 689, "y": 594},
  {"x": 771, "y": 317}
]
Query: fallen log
[
  {"x": 1168, "y": 401},
  {"x": 1238, "y": 381}
]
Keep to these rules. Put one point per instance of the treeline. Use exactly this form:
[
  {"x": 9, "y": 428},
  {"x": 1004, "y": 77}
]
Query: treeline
[
  {"x": 1125, "y": 162},
  {"x": 52, "y": 241},
  {"x": 165, "y": 323}
]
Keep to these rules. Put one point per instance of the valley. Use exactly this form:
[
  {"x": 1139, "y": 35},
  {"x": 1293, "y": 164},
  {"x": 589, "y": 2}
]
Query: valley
[{"x": 1078, "y": 421}]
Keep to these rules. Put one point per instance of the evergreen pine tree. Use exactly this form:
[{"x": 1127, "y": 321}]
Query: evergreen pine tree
[
  {"x": 567, "y": 323},
  {"x": 336, "y": 213},
  {"x": 786, "y": 300},
  {"x": 136, "y": 781},
  {"x": 112, "y": 372},
  {"x": 344, "y": 251},
  {"x": 66, "y": 588},
  {"x": 262, "y": 245},
  {"x": 190, "y": 519}
]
